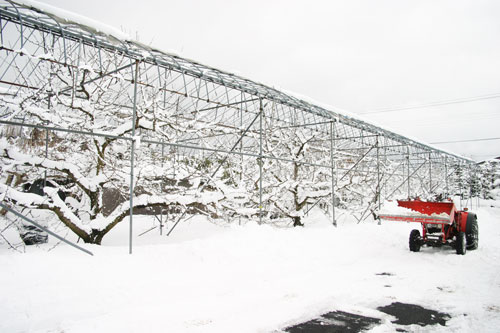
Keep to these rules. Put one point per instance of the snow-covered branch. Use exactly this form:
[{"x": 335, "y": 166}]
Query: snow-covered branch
[{"x": 87, "y": 184}]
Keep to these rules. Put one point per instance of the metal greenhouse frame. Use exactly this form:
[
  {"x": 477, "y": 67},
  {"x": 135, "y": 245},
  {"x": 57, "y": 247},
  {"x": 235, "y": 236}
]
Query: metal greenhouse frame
[{"x": 244, "y": 114}]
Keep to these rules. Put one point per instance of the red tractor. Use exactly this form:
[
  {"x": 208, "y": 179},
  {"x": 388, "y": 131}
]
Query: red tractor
[{"x": 442, "y": 224}]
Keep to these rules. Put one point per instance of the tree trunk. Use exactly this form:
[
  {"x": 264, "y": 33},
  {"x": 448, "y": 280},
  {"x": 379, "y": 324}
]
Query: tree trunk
[{"x": 297, "y": 221}]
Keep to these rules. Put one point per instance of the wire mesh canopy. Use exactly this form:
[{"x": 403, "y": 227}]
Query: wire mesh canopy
[{"x": 28, "y": 17}]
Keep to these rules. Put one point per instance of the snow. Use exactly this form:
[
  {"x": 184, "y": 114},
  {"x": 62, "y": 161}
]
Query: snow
[
  {"x": 70, "y": 17},
  {"x": 392, "y": 208},
  {"x": 93, "y": 26},
  {"x": 23, "y": 198},
  {"x": 20, "y": 158},
  {"x": 216, "y": 277},
  {"x": 244, "y": 211},
  {"x": 371, "y": 122}
]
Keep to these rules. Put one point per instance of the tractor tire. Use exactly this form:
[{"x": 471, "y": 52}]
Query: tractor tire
[
  {"x": 415, "y": 240},
  {"x": 461, "y": 243},
  {"x": 472, "y": 233}
]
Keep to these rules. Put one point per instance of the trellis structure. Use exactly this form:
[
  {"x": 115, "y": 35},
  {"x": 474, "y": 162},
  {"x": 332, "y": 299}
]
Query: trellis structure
[{"x": 47, "y": 59}]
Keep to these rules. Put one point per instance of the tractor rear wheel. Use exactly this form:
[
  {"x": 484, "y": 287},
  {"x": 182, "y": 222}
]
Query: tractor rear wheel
[
  {"x": 461, "y": 243},
  {"x": 415, "y": 240},
  {"x": 472, "y": 234}
]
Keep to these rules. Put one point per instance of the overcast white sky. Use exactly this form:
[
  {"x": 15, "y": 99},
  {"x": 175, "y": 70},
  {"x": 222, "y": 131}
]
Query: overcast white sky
[{"x": 358, "y": 55}]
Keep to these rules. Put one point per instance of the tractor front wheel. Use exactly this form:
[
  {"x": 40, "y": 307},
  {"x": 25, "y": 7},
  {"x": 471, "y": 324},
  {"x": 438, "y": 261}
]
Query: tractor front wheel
[
  {"x": 461, "y": 243},
  {"x": 415, "y": 240}
]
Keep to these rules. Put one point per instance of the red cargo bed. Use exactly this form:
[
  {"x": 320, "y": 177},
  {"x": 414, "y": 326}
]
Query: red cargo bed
[{"x": 421, "y": 211}]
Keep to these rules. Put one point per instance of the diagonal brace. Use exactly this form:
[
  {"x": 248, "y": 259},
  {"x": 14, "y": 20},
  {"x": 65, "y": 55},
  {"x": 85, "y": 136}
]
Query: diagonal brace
[
  {"x": 236, "y": 144},
  {"x": 225, "y": 105},
  {"x": 356, "y": 164},
  {"x": 404, "y": 181},
  {"x": 44, "y": 229}
]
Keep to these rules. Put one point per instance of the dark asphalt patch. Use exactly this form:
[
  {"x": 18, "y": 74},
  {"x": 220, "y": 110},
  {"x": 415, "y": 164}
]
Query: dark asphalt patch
[
  {"x": 336, "y": 321},
  {"x": 340, "y": 321},
  {"x": 411, "y": 314}
]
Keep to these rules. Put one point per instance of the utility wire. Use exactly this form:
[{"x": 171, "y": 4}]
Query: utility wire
[
  {"x": 485, "y": 155},
  {"x": 438, "y": 103},
  {"x": 472, "y": 140},
  {"x": 439, "y": 122}
]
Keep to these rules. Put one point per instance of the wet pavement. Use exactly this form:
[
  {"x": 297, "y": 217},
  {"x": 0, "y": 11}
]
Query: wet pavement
[
  {"x": 335, "y": 321},
  {"x": 411, "y": 314},
  {"x": 340, "y": 321}
]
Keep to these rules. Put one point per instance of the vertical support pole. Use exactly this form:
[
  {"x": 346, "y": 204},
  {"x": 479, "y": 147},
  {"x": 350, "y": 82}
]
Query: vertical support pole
[
  {"x": 471, "y": 185},
  {"x": 480, "y": 189},
  {"x": 46, "y": 156},
  {"x": 165, "y": 89},
  {"x": 161, "y": 221},
  {"x": 22, "y": 32},
  {"x": 177, "y": 156},
  {"x": 383, "y": 190},
  {"x": 408, "y": 169},
  {"x": 242, "y": 171},
  {"x": 75, "y": 72},
  {"x": 175, "y": 159},
  {"x": 132, "y": 153},
  {"x": 362, "y": 146},
  {"x": 1, "y": 32},
  {"x": 162, "y": 152},
  {"x": 460, "y": 183},
  {"x": 100, "y": 57},
  {"x": 260, "y": 160},
  {"x": 185, "y": 85},
  {"x": 446, "y": 175},
  {"x": 46, "y": 148},
  {"x": 378, "y": 174},
  {"x": 242, "y": 130},
  {"x": 333, "y": 168},
  {"x": 430, "y": 173},
  {"x": 198, "y": 88}
]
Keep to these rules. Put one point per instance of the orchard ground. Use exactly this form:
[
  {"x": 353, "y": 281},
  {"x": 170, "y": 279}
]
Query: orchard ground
[{"x": 245, "y": 277}]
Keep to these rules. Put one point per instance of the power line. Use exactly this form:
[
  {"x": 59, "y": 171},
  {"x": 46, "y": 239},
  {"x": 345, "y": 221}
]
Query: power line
[
  {"x": 484, "y": 155},
  {"x": 438, "y": 122},
  {"x": 472, "y": 140},
  {"x": 438, "y": 103}
]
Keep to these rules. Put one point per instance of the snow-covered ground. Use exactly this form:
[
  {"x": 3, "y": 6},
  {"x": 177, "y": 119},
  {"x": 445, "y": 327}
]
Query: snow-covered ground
[{"x": 249, "y": 278}]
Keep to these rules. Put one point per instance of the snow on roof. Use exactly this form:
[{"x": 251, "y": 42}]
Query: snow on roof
[
  {"x": 360, "y": 118},
  {"x": 65, "y": 16},
  {"x": 302, "y": 102}
]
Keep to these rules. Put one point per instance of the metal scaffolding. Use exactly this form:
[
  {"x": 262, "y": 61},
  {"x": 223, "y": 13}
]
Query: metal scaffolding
[{"x": 47, "y": 60}]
